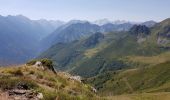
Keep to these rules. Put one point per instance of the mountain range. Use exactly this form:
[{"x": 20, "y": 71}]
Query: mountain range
[
  {"x": 103, "y": 52},
  {"x": 20, "y": 36},
  {"x": 77, "y": 29},
  {"x": 31, "y": 37},
  {"x": 133, "y": 64}
]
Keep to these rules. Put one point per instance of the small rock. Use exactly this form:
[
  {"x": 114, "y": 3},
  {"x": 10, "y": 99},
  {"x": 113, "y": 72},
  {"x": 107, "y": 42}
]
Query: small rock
[
  {"x": 76, "y": 78},
  {"x": 22, "y": 86},
  {"x": 40, "y": 96},
  {"x": 38, "y": 63},
  {"x": 19, "y": 91},
  {"x": 17, "y": 98}
]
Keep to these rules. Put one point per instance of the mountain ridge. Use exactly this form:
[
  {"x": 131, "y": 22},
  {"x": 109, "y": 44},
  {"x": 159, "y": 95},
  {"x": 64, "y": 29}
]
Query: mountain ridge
[
  {"x": 19, "y": 38},
  {"x": 107, "y": 54}
]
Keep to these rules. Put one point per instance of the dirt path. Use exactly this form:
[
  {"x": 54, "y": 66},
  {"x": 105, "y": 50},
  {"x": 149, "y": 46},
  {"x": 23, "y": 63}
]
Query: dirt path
[{"x": 127, "y": 84}]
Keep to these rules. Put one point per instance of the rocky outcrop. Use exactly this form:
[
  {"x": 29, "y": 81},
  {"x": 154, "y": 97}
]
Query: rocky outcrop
[
  {"x": 163, "y": 33},
  {"x": 141, "y": 32},
  {"x": 162, "y": 41},
  {"x": 21, "y": 92},
  {"x": 38, "y": 64},
  {"x": 24, "y": 95},
  {"x": 76, "y": 78}
]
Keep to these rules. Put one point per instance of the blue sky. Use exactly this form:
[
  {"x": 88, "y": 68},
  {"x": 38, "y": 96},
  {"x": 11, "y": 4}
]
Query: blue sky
[{"x": 131, "y": 10}]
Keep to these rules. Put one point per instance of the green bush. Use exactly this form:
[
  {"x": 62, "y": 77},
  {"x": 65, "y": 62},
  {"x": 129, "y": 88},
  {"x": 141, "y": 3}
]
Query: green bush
[
  {"x": 47, "y": 62},
  {"x": 31, "y": 62}
]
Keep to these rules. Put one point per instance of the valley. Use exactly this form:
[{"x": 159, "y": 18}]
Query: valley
[{"x": 115, "y": 61}]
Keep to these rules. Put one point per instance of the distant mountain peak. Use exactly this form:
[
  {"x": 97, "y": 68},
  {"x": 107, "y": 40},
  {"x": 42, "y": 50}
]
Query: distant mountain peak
[
  {"x": 102, "y": 21},
  {"x": 120, "y": 22},
  {"x": 72, "y": 22},
  {"x": 149, "y": 23},
  {"x": 107, "y": 21},
  {"x": 77, "y": 21}
]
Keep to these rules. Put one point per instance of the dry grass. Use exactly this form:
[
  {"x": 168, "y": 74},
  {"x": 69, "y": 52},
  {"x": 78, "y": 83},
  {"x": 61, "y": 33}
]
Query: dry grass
[
  {"x": 91, "y": 52},
  {"x": 153, "y": 60},
  {"x": 47, "y": 82}
]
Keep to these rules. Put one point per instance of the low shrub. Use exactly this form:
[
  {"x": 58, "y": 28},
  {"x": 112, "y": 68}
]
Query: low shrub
[
  {"x": 47, "y": 62},
  {"x": 31, "y": 62},
  {"x": 31, "y": 72},
  {"x": 17, "y": 72},
  {"x": 10, "y": 83}
]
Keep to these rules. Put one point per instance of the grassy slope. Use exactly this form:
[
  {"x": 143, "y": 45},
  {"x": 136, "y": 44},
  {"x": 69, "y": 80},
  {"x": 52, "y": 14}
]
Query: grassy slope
[
  {"x": 51, "y": 85},
  {"x": 69, "y": 56},
  {"x": 148, "y": 79},
  {"x": 108, "y": 54},
  {"x": 110, "y": 58},
  {"x": 148, "y": 60},
  {"x": 100, "y": 58},
  {"x": 113, "y": 55},
  {"x": 142, "y": 96}
]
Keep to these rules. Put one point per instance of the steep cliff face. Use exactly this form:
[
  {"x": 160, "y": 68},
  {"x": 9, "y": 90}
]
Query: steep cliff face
[{"x": 163, "y": 32}]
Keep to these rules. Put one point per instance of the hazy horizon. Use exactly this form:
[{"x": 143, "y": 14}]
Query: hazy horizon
[{"x": 91, "y": 10}]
